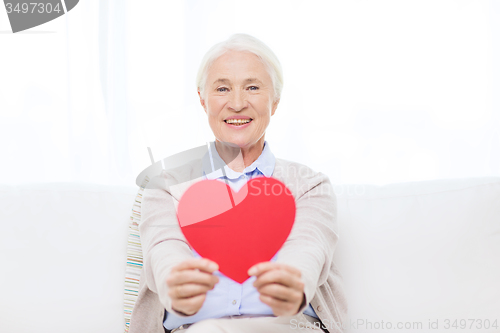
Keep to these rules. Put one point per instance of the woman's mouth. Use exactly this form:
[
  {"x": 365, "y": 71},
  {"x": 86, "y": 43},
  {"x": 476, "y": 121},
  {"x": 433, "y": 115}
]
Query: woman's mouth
[{"x": 238, "y": 123}]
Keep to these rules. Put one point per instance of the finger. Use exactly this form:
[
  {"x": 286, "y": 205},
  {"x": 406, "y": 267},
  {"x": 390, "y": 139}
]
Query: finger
[
  {"x": 187, "y": 290},
  {"x": 279, "y": 307},
  {"x": 202, "y": 264},
  {"x": 189, "y": 305},
  {"x": 191, "y": 276},
  {"x": 280, "y": 292},
  {"x": 279, "y": 276},
  {"x": 265, "y": 266},
  {"x": 262, "y": 267}
]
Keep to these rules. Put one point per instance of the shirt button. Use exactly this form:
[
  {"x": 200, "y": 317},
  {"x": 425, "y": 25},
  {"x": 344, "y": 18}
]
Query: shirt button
[
  {"x": 234, "y": 302},
  {"x": 319, "y": 308}
]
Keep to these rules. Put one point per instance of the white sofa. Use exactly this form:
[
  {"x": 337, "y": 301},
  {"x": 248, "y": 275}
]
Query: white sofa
[{"x": 409, "y": 253}]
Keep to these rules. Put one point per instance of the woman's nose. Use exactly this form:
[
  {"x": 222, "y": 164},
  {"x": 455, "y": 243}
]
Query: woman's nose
[{"x": 237, "y": 101}]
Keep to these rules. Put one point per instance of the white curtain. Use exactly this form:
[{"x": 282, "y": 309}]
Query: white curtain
[
  {"x": 375, "y": 91},
  {"x": 63, "y": 98}
]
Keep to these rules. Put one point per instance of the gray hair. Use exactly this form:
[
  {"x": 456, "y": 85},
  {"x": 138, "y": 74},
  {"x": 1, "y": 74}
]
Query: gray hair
[{"x": 243, "y": 42}]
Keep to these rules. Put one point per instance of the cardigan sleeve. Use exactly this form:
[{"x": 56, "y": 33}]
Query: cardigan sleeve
[
  {"x": 312, "y": 241},
  {"x": 163, "y": 244}
]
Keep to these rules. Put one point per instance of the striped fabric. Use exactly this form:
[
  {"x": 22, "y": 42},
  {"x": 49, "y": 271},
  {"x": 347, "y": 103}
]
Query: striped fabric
[{"x": 134, "y": 258}]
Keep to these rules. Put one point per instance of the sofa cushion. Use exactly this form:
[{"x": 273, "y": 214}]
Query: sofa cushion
[
  {"x": 414, "y": 252},
  {"x": 64, "y": 254}
]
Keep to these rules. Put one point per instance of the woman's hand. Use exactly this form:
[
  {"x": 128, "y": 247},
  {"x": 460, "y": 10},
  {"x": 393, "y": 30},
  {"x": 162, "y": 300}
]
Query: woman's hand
[
  {"x": 280, "y": 286},
  {"x": 189, "y": 282}
]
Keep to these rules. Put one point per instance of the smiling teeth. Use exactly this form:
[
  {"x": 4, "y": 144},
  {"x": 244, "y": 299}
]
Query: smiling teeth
[{"x": 237, "y": 121}]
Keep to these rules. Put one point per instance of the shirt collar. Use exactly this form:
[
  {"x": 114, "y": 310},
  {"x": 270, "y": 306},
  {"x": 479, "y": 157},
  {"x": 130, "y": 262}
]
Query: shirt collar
[{"x": 212, "y": 161}]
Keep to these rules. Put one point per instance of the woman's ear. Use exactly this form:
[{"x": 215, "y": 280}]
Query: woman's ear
[
  {"x": 202, "y": 101},
  {"x": 275, "y": 106}
]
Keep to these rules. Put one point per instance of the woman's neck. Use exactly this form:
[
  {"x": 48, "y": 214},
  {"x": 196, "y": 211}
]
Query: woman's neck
[{"x": 237, "y": 158}]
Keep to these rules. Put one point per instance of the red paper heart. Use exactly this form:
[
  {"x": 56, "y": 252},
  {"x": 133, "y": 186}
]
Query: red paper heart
[{"x": 237, "y": 229}]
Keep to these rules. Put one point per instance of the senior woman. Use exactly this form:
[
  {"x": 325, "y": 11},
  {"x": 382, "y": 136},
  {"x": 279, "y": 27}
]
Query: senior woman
[{"x": 239, "y": 86}]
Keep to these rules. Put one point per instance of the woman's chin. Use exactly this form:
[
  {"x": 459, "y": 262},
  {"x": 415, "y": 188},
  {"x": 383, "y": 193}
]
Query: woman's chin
[{"x": 237, "y": 142}]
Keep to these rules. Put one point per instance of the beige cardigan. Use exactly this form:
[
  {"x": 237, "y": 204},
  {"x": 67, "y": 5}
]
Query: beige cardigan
[{"x": 309, "y": 247}]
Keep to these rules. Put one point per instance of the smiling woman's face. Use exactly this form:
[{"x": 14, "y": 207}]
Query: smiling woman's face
[{"x": 239, "y": 87}]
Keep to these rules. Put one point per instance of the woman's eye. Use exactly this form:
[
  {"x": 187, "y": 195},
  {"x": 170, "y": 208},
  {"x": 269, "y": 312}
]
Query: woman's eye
[
  {"x": 222, "y": 89},
  {"x": 253, "y": 88}
]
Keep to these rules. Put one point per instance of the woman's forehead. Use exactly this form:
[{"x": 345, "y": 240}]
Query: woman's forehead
[
  {"x": 240, "y": 66},
  {"x": 247, "y": 80}
]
